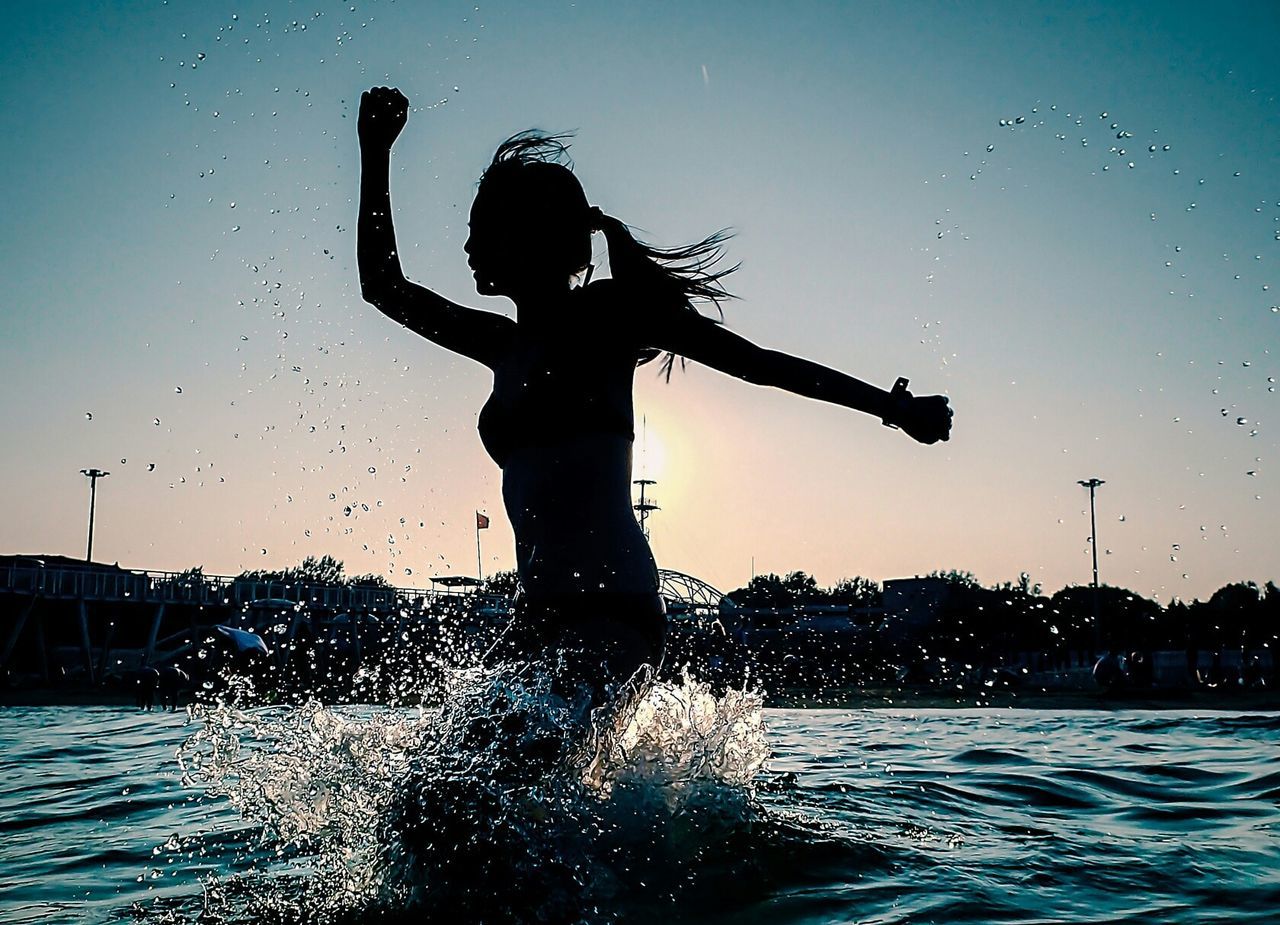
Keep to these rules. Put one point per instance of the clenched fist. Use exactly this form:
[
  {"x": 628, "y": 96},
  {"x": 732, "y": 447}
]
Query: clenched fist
[{"x": 383, "y": 112}]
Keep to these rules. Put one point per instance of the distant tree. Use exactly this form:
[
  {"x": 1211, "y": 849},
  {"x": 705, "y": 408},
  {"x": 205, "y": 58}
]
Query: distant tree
[
  {"x": 762, "y": 591},
  {"x": 191, "y": 577},
  {"x": 801, "y": 588},
  {"x": 189, "y": 584},
  {"x": 506, "y": 583},
  {"x": 1126, "y": 620},
  {"x": 325, "y": 571},
  {"x": 1235, "y": 612},
  {"x": 1266, "y": 632},
  {"x": 956, "y": 578},
  {"x": 856, "y": 592},
  {"x": 1023, "y": 586}
]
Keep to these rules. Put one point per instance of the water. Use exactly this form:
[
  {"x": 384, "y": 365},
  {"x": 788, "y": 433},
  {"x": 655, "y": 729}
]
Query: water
[{"x": 868, "y": 816}]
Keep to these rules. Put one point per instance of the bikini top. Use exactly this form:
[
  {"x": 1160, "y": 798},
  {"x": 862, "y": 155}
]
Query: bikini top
[{"x": 553, "y": 385}]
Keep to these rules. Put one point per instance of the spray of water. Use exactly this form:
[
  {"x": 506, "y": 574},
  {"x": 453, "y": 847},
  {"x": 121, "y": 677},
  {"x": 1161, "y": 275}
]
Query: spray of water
[{"x": 502, "y": 802}]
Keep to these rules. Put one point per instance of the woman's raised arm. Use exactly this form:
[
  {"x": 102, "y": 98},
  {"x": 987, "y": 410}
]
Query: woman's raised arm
[
  {"x": 926, "y": 419},
  {"x": 475, "y": 334}
]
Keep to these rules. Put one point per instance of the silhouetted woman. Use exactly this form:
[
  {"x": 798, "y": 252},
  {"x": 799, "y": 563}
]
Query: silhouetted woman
[{"x": 559, "y": 421}]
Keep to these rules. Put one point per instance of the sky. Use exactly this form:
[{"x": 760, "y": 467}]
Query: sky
[{"x": 1064, "y": 216}]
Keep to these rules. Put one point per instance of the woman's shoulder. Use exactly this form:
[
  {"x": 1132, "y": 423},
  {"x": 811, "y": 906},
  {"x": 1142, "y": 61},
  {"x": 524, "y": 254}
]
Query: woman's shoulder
[
  {"x": 625, "y": 302},
  {"x": 604, "y": 292}
]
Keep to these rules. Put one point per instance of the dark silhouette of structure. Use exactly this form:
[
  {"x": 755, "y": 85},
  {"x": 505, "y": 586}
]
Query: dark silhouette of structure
[{"x": 560, "y": 421}]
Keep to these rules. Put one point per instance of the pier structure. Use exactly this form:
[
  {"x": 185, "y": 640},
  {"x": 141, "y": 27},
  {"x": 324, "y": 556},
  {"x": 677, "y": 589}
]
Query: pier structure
[
  {"x": 114, "y": 617},
  {"x": 64, "y": 618}
]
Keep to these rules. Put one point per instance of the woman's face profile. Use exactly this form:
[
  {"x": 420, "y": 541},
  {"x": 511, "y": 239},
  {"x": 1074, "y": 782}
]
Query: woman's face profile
[{"x": 491, "y": 247}]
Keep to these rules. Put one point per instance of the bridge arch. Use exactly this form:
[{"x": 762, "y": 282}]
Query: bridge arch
[{"x": 687, "y": 596}]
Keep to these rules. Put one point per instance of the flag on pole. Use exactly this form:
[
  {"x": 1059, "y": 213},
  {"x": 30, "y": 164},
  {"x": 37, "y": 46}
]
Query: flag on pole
[{"x": 482, "y": 522}]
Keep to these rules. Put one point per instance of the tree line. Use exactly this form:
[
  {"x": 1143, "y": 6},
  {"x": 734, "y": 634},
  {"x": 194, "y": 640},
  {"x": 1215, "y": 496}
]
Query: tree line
[{"x": 1019, "y": 616}]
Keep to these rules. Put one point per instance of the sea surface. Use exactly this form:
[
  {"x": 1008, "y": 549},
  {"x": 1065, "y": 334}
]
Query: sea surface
[{"x": 877, "y": 816}]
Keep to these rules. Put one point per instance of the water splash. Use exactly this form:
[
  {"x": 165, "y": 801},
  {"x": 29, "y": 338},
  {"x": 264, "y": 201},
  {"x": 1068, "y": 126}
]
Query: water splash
[{"x": 502, "y": 801}]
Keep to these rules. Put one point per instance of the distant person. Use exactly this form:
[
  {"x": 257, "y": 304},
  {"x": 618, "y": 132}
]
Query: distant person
[
  {"x": 146, "y": 683},
  {"x": 173, "y": 681},
  {"x": 560, "y": 421},
  {"x": 1217, "y": 674}
]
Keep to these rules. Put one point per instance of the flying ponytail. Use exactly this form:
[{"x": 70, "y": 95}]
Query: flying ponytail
[{"x": 670, "y": 279}]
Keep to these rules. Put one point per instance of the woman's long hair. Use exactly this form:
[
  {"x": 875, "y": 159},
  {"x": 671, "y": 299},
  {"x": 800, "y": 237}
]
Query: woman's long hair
[{"x": 669, "y": 278}]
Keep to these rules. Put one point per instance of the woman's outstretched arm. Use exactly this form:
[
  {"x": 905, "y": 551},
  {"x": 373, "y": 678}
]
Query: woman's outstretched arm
[
  {"x": 926, "y": 419},
  {"x": 475, "y": 334}
]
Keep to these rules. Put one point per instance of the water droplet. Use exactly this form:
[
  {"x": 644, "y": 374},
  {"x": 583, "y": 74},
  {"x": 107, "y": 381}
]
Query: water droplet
[
  {"x": 177, "y": 389},
  {"x": 990, "y": 148},
  {"x": 88, "y": 415},
  {"x": 156, "y": 422}
]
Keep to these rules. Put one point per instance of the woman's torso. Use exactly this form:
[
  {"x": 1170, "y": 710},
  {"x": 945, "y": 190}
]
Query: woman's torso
[{"x": 560, "y": 423}]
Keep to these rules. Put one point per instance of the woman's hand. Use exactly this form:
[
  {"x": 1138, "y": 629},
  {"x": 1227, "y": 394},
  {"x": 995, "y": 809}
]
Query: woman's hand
[
  {"x": 926, "y": 419},
  {"x": 383, "y": 112}
]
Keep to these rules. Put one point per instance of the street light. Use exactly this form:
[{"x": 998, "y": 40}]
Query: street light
[
  {"x": 1092, "y": 485},
  {"x": 94, "y": 475}
]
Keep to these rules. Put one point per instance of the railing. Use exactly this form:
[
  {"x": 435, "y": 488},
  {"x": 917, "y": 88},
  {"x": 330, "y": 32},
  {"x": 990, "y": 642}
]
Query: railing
[{"x": 218, "y": 590}]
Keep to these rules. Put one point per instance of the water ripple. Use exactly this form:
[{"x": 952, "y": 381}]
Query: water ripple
[{"x": 870, "y": 817}]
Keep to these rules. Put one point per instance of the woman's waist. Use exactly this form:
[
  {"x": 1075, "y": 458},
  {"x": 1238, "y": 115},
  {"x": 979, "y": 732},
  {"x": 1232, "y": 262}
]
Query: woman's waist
[
  {"x": 579, "y": 568},
  {"x": 568, "y": 498},
  {"x": 596, "y": 452}
]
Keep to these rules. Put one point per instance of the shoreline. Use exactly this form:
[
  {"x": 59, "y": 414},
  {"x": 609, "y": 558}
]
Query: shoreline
[
  {"x": 1170, "y": 699},
  {"x": 1167, "y": 699}
]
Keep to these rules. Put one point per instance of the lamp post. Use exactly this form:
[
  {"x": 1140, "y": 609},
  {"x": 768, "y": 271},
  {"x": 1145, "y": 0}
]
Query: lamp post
[
  {"x": 1092, "y": 485},
  {"x": 94, "y": 475}
]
